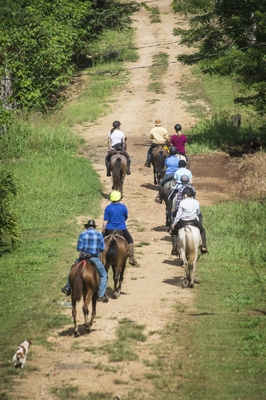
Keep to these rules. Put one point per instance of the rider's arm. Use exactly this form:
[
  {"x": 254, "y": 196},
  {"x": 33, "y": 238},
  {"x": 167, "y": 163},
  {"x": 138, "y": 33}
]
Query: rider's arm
[{"x": 109, "y": 144}]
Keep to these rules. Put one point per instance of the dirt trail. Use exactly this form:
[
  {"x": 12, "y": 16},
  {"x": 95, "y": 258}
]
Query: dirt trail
[{"x": 152, "y": 288}]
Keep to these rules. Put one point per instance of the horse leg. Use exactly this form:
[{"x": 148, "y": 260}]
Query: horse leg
[
  {"x": 85, "y": 309},
  {"x": 121, "y": 276},
  {"x": 93, "y": 311},
  {"x": 74, "y": 315}
]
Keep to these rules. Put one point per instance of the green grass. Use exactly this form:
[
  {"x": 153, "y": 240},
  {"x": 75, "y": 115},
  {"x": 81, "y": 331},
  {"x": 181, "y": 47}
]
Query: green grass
[
  {"x": 157, "y": 70},
  {"x": 217, "y": 351}
]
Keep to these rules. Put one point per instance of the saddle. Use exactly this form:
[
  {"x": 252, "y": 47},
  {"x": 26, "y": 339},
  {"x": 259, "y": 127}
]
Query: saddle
[
  {"x": 83, "y": 255},
  {"x": 115, "y": 232}
]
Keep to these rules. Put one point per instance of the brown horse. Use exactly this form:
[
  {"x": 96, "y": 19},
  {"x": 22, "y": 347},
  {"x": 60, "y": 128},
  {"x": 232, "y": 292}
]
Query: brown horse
[
  {"x": 158, "y": 156},
  {"x": 115, "y": 254},
  {"x": 84, "y": 281},
  {"x": 118, "y": 169}
]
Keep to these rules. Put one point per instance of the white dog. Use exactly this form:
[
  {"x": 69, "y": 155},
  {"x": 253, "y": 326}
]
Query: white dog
[{"x": 19, "y": 358}]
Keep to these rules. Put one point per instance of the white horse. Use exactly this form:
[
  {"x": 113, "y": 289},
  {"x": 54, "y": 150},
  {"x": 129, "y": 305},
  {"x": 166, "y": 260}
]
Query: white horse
[{"x": 188, "y": 245}]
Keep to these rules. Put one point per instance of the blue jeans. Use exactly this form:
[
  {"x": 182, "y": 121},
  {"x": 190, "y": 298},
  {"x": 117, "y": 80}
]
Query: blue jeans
[{"x": 103, "y": 276}]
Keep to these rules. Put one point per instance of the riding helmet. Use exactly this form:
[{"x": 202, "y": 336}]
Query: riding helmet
[
  {"x": 184, "y": 179},
  {"x": 173, "y": 151},
  {"x": 178, "y": 127},
  {"x": 188, "y": 192},
  {"x": 115, "y": 196},
  {"x": 116, "y": 124}
]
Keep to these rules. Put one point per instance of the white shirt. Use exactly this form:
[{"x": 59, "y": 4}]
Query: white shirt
[
  {"x": 189, "y": 209},
  {"x": 116, "y": 137}
]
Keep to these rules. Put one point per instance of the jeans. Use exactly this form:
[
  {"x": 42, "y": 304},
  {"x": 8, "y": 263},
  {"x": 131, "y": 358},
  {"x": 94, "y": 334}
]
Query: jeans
[{"x": 103, "y": 276}]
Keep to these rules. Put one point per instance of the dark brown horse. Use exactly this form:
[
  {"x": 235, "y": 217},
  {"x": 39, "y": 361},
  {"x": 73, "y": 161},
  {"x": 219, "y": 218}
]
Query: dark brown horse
[
  {"x": 158, "y": 156},
  {"x": 115, "y": 254},
  {"x": 119, "y": 170},
  {"x": 84, "y": 282}
]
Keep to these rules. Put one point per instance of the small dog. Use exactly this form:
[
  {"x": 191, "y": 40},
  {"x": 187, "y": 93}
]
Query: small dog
[{"x": 19, "y": 358}]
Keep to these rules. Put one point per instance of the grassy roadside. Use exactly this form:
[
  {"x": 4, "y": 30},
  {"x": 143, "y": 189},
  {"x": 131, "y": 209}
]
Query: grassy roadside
[
  {"x": 218, "y": 350},
  {"x": 56, "y": 186}
]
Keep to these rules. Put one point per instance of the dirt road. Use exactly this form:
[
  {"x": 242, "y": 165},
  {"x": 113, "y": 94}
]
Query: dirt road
[{"x": 152, "y": 288}]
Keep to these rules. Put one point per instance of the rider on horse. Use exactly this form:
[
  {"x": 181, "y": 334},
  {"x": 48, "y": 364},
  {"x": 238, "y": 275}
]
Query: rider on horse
[
  {"x": 91, "y": 244},
  {"x": 171, "y": 165},
  {"x": 115, "y": 216},
  {"x": 159, "y": 137},
  {"x": 188, "y": 214},
  {"x": 116, "y": 143},
  {"x": 179, "y": 140}
]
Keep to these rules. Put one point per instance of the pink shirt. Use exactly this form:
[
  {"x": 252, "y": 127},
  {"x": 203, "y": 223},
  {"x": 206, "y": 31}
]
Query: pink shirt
[{"x": 179, "y": 143}]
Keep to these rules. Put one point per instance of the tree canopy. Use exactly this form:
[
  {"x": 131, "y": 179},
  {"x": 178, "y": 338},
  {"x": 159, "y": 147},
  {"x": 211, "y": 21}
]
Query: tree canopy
[
  {"x": 229, "y": 37},
  {"x": 41, "y": 42}
]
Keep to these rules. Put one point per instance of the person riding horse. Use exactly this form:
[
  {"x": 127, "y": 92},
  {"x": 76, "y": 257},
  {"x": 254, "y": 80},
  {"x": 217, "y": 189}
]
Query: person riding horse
[
  {"x": 115, "y": 216},
  {"x": 159, "y": 137},
  {"x": 116, "y": 144},
  {"x": 179, "y": 140},
  {"x": 90, "y": 245},
  {"x": 171, "y": 165},
  {"x": 188, "y": 214}
]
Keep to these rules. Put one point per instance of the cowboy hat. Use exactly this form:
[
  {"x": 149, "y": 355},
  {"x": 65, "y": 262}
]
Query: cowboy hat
[
  {"x": 158, "y": 122},
  {"x": 91, "y": 222}
]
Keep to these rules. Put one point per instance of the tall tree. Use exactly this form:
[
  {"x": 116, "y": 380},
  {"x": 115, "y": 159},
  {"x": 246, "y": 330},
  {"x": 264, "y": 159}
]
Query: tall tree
[{"x": 230, "y": 39}]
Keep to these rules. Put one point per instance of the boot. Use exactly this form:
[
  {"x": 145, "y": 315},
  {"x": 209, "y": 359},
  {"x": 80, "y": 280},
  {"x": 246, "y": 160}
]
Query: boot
[
  {"x": 174, "y": 245},
  {"x": 108, "y": 170},
  {"x": 132, "y": 259},
  {"x": 203, "y": 245},
  {"x": 128, "y": 166}
]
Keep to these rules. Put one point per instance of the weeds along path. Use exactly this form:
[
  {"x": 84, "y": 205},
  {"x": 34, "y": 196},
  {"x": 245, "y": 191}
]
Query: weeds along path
[{"x": 151, "y": 289}]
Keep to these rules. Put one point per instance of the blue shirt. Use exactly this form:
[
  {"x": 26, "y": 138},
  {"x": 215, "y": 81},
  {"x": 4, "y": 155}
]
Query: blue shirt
[
  {"x": 171, "y": 164},
  {"x": 179, "y": 173},
  {"x": 91, "y": 241},
  {"x": 116, "y": 214}
]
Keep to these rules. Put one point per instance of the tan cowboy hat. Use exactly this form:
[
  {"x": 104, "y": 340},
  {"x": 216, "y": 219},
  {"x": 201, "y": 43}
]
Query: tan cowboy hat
[
  {"x": 158, "y": 122},
  {"x": 91, "y": 222}
]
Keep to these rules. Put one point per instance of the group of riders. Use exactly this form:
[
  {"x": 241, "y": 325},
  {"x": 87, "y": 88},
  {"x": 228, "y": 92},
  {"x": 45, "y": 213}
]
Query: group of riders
[{"x": 187, "y": 209}]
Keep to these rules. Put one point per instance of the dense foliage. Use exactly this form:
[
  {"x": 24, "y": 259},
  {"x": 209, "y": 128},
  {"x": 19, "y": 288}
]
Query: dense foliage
[
  {"x": 8, "y": 218},
  {"x": 42, "y": 43},
  {"x": 230, "y": 38}
]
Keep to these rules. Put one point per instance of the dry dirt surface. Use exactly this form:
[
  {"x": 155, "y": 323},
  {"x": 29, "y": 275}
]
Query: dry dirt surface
[{"x": 151, "y": 289}]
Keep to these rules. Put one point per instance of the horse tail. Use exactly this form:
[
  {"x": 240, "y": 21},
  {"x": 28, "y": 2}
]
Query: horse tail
[
  {"x": 190, "y": 247},
  {"x": 77, "y": 288},
  {"x": 112, "y": 251},
  {"x": 116, "y": 173},
  {"x": 161, "y": 159}
]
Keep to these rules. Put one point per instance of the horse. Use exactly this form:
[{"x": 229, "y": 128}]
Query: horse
[
  {"x": 115, "y": 254},
  {"x": 158, "y": 156},
  {"x": 188, "y": 244},
  {"x": 118, "y": 169},
  {"x": 166, "y": 190},
  {"x": 84, "y": 281}
]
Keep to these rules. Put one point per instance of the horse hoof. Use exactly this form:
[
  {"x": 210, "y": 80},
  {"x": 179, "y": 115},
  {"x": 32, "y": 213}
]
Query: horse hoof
[
  {"x": 185, "y": 283},
  {"x": 76, "y": 334}
]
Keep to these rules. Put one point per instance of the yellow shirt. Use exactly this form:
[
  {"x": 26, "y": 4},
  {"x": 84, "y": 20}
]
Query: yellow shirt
[{"x": 159, "y": 135}]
